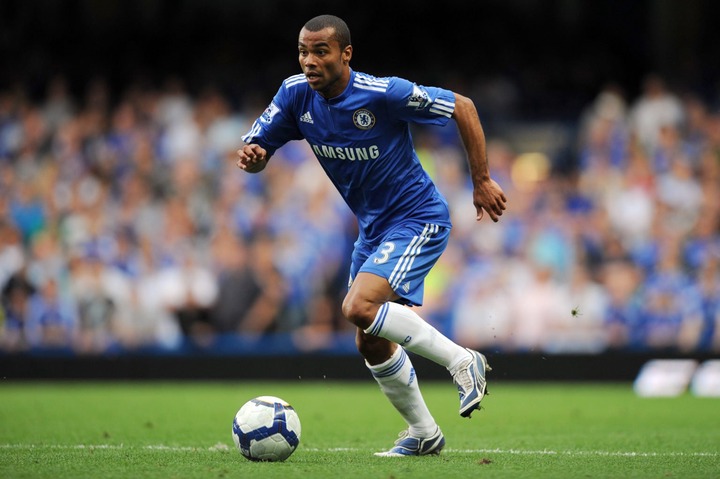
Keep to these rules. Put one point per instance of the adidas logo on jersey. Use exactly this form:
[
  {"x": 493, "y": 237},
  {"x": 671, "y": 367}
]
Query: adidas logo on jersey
[{"x": 306, "y": 118}]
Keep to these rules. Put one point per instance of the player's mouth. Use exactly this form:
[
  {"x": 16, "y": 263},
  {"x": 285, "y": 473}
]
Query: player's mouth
[{"x": 313, "y": 77}]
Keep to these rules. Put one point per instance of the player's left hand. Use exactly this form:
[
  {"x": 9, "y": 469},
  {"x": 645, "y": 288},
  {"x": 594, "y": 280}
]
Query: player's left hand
[{"x": 489, "y": 196}]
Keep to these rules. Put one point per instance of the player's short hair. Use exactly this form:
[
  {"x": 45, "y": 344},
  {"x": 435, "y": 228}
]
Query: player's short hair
[{"x": 342, "y": 32}]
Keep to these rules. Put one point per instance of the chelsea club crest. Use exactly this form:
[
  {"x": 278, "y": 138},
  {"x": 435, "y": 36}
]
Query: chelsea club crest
[{"x": 364, "y": 119}]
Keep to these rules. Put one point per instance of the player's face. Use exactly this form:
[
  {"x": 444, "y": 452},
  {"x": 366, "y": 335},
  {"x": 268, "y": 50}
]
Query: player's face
[{"x": 325, "y": 65}]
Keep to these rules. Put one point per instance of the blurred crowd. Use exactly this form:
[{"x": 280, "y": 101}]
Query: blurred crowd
[{"x": 125, "y": 225}]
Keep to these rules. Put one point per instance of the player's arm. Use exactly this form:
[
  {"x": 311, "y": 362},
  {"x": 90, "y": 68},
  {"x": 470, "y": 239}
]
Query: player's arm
[
  {"x": 487, "y": 194},
  {"x": 252, "y": 158},
  {"x": 272, "y": 130}
]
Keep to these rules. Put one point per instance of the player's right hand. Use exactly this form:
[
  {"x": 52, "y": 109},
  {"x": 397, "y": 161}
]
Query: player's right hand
[{"x": 252, "y": 158}]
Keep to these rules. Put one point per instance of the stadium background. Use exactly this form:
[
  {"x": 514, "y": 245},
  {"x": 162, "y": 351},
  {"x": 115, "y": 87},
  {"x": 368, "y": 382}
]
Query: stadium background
[{"x": 118, "y": 121}]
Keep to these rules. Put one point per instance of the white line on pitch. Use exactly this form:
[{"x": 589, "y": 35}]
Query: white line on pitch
[
  {"x": 225, "y": 447},
  {"x": 586, "y": 453}
]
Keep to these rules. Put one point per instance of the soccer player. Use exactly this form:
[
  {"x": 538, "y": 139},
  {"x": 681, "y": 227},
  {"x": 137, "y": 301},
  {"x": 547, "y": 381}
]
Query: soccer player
[{"x": 358, "y": 128}]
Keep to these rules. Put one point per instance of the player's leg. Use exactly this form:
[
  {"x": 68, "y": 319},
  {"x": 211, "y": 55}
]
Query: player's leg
[
  {"x": 393, "y": 370},
  {"x": 403, "y": 261},
  {"x": 398, "y": 381},
  {"x": 399, "y": 324},
  {"x": 369, "y": 305}
]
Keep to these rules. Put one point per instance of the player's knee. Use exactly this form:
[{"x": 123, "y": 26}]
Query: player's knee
[{"x": 359, "y": 311}]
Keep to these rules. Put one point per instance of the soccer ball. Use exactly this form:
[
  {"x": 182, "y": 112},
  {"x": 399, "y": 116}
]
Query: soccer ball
[{"x": 266, "y": 429}]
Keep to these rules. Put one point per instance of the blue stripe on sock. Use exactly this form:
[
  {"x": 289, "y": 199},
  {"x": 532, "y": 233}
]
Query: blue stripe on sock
[
  {"x": 377, "y": 325},
  {"x": 393, "y": 368}
]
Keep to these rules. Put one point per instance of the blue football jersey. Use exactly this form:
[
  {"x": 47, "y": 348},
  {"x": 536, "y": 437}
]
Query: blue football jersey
[{"x": 362, "y": 140}]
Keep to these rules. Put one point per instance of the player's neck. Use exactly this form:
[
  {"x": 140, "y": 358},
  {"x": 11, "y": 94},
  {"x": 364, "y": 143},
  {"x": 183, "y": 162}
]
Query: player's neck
[{"x": 338, "y": 87}]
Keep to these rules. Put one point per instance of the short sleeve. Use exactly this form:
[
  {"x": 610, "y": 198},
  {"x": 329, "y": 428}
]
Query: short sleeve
[
  {"x": 420, "y": 104},
  {"x": 276, "y": 125}
]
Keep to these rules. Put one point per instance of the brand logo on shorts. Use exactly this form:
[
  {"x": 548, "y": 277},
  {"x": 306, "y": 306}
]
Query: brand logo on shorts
[{"x": 364, "y": 119}]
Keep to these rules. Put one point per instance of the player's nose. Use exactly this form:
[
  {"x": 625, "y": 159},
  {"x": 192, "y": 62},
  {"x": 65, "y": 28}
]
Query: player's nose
[{"x": 309, "y": 60}]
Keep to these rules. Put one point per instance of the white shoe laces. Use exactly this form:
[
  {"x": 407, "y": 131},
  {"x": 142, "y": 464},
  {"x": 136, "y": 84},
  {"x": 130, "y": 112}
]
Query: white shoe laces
[
  {"x": 402, "y": 435},
  {"x": 463, "y": 378}
]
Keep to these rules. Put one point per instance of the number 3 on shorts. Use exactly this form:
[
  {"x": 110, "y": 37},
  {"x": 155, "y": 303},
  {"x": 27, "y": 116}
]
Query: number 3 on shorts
[{"x": 383, "y": 253}]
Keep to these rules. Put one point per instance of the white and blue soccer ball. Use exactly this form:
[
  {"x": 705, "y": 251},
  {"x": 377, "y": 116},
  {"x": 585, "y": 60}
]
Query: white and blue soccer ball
[{"x": 266, "y": 428}]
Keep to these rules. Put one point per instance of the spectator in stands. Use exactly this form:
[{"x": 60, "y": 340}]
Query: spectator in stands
[
  {"x": 540, "y": 309},
  {"x": 12, "y": 253},
  {"x": 708, "y": 284},
  {"x": 656, "y": 108},
  {"x": 26, "y": 210},
  {"x": 623, "y": 282},
  {"x": 484, "y": 316},
  {"x": 52, "y": 318},
  {"x": 603, "y": 137},
  {"x": 671, "y": 309},
  {"x": 188, "y": 289},
  {"x": 14, "y": 300},
  {"x": 679, "y": 192},
  {"x": 102, "y": 294},
  {"x": 238, "y": 289},
  {"x": 583, "y": 327}
]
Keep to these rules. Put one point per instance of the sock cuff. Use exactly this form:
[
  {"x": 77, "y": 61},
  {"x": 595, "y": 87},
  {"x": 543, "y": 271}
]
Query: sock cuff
[
  {"x": 392, "y": 366},
  {"x": 379, "y": 321}
]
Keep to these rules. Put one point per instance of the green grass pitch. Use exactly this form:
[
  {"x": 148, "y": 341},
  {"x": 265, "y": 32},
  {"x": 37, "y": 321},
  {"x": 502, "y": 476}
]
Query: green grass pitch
[{"x": 182, "y": 430}]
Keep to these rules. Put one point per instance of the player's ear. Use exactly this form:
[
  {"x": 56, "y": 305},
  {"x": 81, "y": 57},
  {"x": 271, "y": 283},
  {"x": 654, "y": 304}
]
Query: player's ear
[{"x": 347, "y": 54}]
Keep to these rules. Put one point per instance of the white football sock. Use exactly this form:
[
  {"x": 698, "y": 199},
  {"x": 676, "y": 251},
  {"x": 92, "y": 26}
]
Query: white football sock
[
  {"x": 401, "y": 325},
  {"x": 398, "y": 382}
]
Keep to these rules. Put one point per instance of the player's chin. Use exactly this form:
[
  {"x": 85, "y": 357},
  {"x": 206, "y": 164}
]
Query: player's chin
[{"x": 315, "y": 82}]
